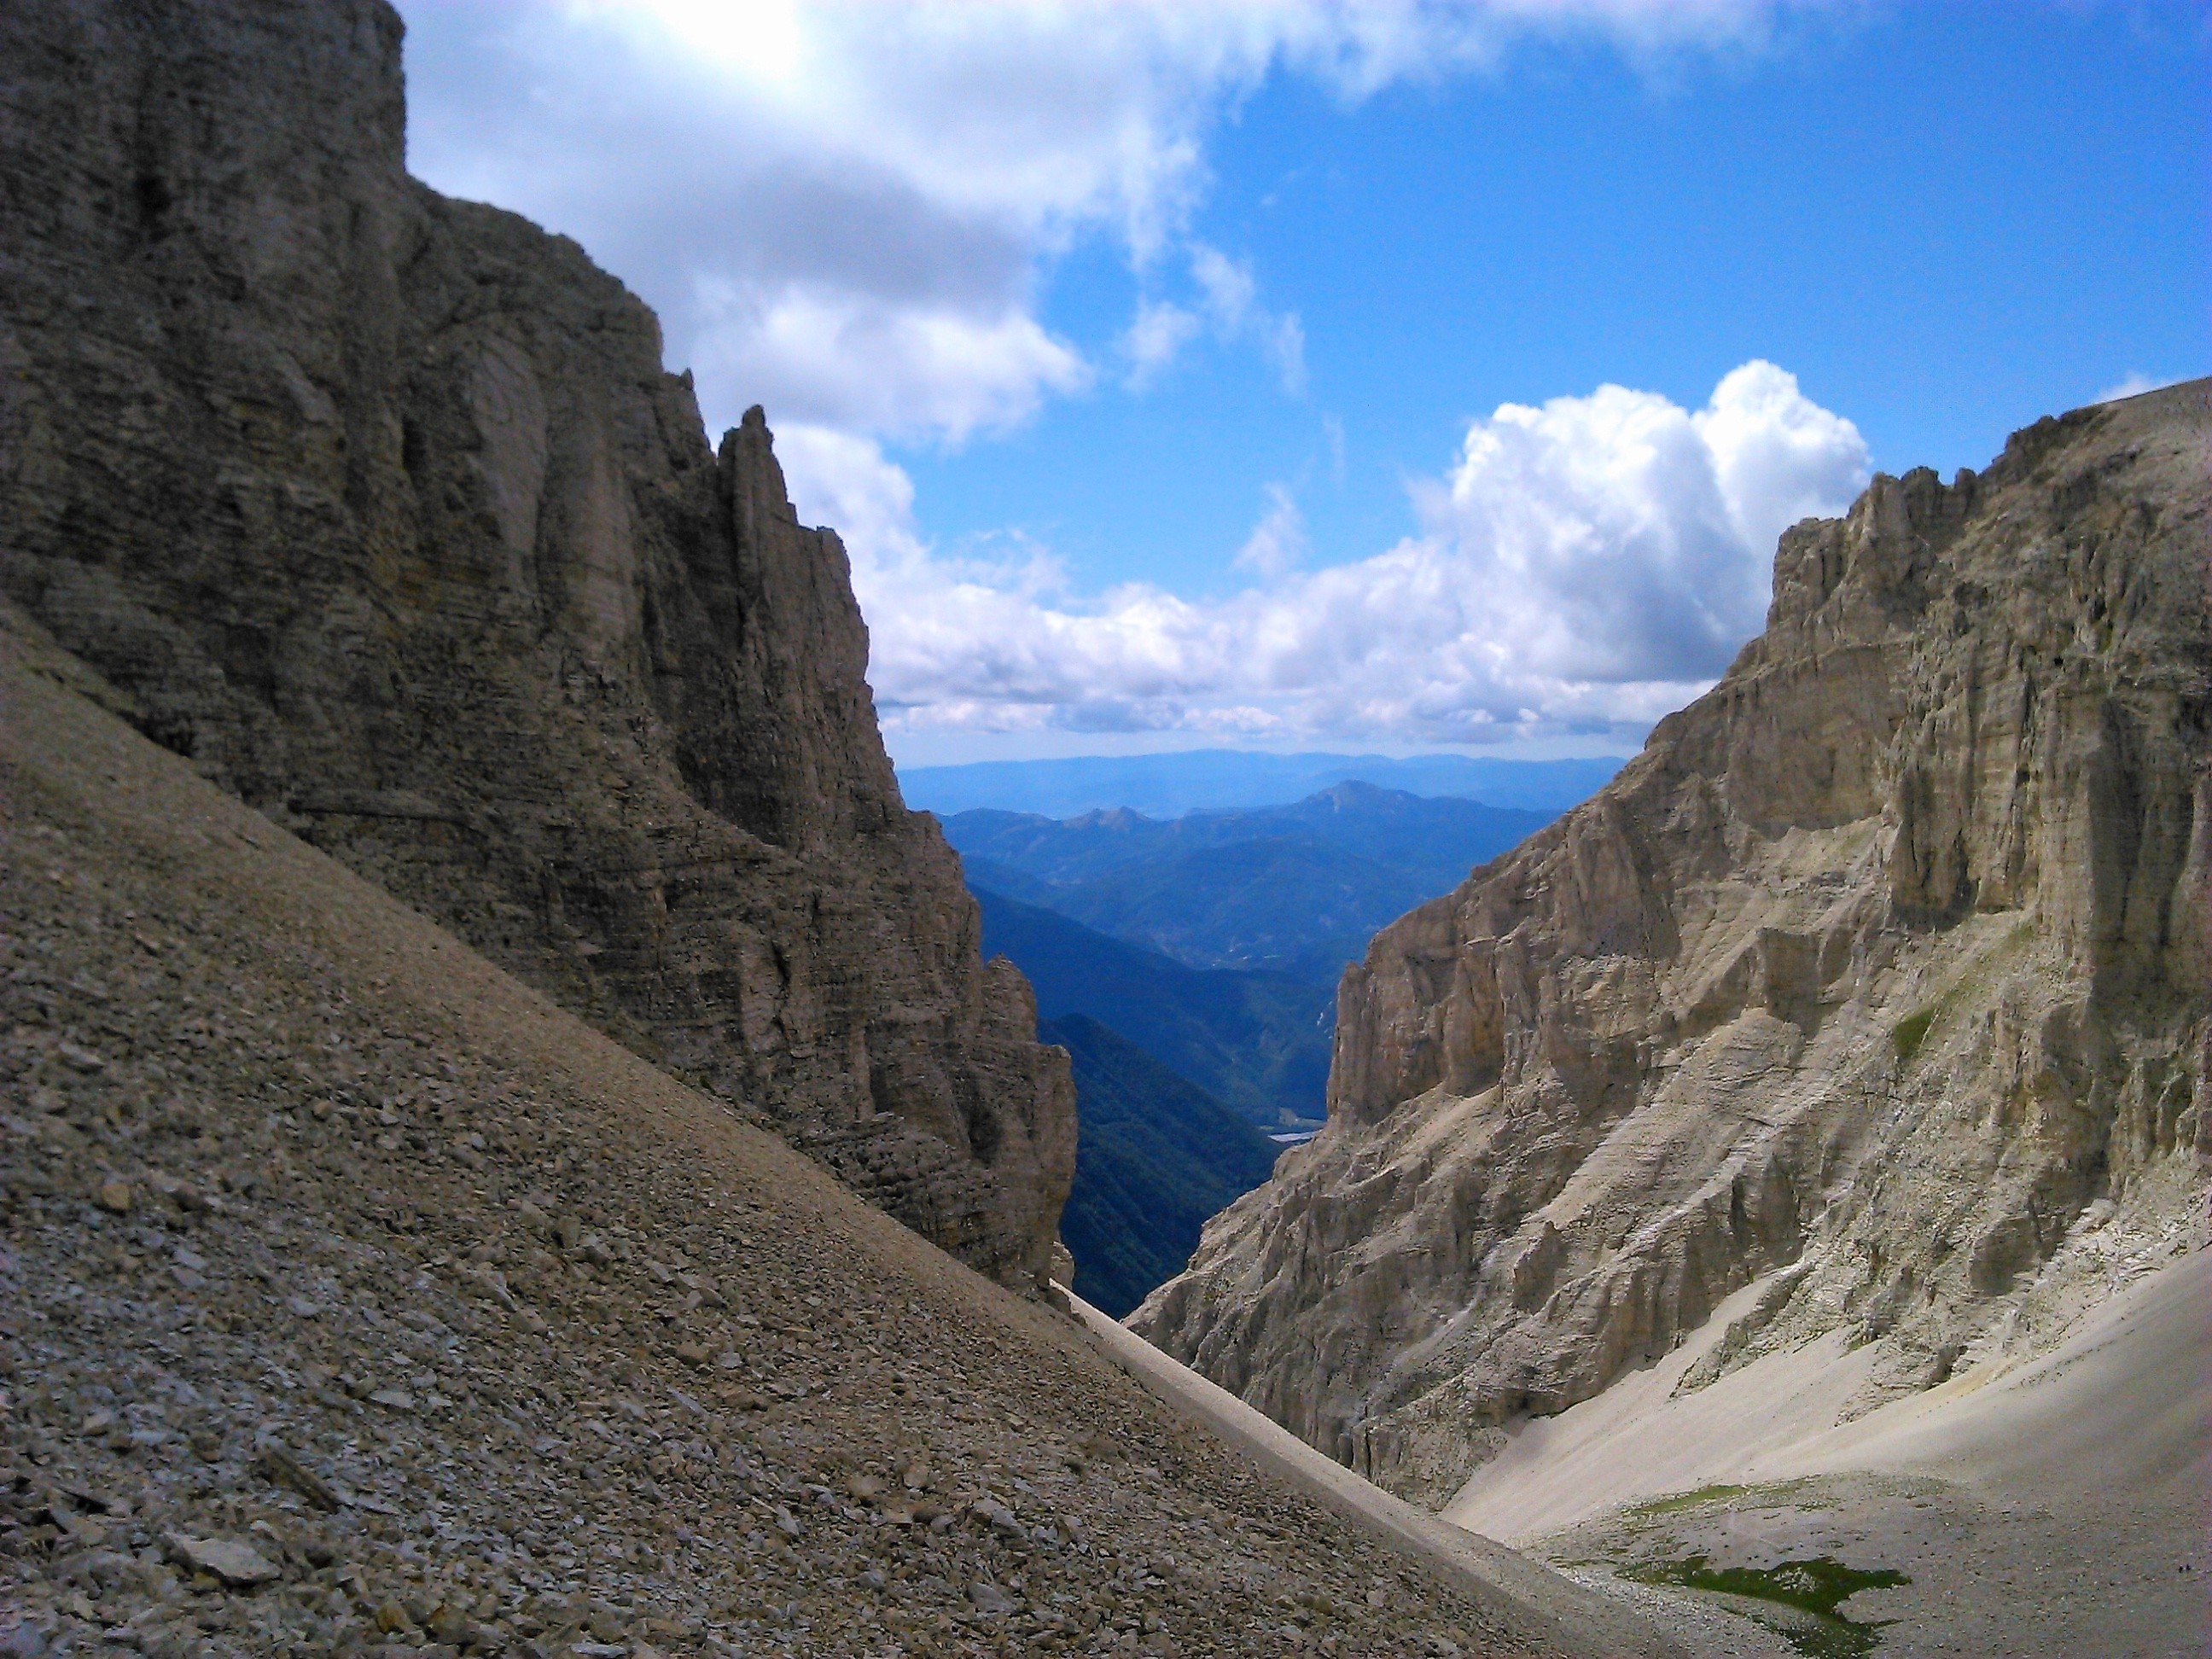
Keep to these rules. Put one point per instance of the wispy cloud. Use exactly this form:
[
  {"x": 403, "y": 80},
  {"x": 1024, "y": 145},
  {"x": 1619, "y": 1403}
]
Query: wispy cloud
[
  {"x": 2134, "y": 385},
  {"x": 1155, "y": 340},
  {"x": 1277, "y": 544}
]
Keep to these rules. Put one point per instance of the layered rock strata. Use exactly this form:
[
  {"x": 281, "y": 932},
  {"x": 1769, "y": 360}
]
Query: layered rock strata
[
  {"x": 379, "y": 507},
  {"x": 1878, "y": 981}
]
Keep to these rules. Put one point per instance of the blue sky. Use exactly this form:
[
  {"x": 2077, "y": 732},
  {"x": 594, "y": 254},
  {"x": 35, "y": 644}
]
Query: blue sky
[{"x": 1152, "y": 360}]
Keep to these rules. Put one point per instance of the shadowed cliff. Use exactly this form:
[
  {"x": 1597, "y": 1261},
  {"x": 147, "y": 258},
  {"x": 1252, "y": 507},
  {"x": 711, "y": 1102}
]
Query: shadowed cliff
[{"x": 380, "y": 508}]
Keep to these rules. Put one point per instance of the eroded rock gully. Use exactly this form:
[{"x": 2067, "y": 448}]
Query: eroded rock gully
[
  {"x": 1879, "y": 977},
  {"x": 380, "y": 508}
]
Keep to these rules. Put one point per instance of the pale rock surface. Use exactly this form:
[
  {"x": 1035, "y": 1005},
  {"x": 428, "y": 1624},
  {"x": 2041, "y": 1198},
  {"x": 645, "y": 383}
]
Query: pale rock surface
[
  {"x": 380, "y": 508},
  {"x": 1878, "y": 978}
]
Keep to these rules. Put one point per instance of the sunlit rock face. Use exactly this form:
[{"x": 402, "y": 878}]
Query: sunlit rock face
[
  {"x": 381, "y": 507},
  {"x": 1879, "y": 977}
]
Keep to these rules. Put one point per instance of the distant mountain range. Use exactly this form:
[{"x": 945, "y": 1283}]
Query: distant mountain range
[
  {"x": 1156, "y": 1155},
  {"x": 1222, "y": 780},
  {"x": 1256, "y": 1042},
  {"x": 1298, "y": 890},
  {"x": 1188, "y": 965}
]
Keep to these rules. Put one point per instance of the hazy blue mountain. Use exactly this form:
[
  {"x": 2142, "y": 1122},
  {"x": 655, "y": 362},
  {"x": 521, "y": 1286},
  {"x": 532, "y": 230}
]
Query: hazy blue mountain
[
  {"x": 1297, "y": 888},
  {"x": 1155, "y": 1156},
  {"x": 1259, "y": 1042},
  {"x": 1283, "y": 905},
  {"x": 1167, "y": 786}
]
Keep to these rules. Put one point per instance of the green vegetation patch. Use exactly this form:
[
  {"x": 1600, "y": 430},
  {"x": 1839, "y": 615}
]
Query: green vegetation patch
[
  {"x": 1686, "y": 1500},
  {"x": 1909, "y": 1033},
  {"x": 1816, "y": 1587}
]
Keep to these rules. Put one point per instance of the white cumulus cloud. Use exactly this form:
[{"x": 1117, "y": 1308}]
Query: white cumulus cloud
[
  {"x": 1584, "y": 565},
  {"x": 847, "y": 209}
]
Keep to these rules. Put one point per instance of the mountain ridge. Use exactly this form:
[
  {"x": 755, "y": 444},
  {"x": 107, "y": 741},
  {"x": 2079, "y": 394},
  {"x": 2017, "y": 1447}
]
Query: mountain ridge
[
  {"x": 381, "y": 507},
  {"x": 1877, "y": 981},
  {"x": 1173, "y": 782},
  {"x": 1296, "y": 888}
]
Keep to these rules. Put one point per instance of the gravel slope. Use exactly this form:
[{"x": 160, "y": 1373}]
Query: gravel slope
[
  {"x": 1535, "y": 1598},
  {"x": 353, "y": 1297}
]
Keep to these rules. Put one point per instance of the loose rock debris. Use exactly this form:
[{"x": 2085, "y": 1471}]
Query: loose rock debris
[{"x": 357, "y": 1301}]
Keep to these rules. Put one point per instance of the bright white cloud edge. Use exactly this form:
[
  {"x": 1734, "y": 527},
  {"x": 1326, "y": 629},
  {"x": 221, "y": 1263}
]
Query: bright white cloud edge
[
  {"x": 2134, "y": 383},
  {"x": 1581, "y": 567},
  {"x": 847, "y": 211}
]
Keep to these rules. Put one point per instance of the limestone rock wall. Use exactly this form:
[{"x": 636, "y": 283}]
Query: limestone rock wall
[
  {"x": 381, "y": 507},
  {"x": 1879, "y": 977}
]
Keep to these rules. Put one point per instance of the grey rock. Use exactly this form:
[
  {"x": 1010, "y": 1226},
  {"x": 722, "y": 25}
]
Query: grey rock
[
  {"x": 235, "y": 1564},
  {"x": 1883, "y": 961},
  {"x": 281, "y": 1465},
  {"x": 407, "y": 538},
  {"x": 988, "y": 1598}
]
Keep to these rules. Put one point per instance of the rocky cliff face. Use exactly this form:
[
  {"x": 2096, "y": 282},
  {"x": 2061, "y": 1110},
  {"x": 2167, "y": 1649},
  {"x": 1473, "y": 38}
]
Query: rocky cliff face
[
  {"x": 1879, "y": 979},
  {"x": 379, "y": 507}
]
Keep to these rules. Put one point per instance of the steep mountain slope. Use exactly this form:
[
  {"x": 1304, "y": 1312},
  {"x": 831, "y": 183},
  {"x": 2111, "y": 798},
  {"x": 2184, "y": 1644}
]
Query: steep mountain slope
[
  {"x": 1258, "y": 1042},
  {"x": 1226, "y": 780},
  {"x": 1297, "y": 888},
  {"x": 1155, "y": 1157},
  {"x": 381, "y": 507},
  {"x": 1875, "y": 988},
  {"x": 1282, "y": 905},
  {"x": 357, "y": 1298}
]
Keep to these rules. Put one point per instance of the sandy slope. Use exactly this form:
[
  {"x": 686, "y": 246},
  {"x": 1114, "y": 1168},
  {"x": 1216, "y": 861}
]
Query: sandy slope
[
  {"x": 2053, "y": 1506},
  {"x": 2125, "y": 1403}
]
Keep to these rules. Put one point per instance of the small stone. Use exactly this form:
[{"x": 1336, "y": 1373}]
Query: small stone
[
  {"x": 449, "y": 1624},
  {"x": 396, "y": 1400},
  {"x": 391, "y": 1617},
  {"x": 692, "y": 1354},
  {"x": 286, "y": 1470},
  {"x": 989, "y": 1598},
  {"x": 234, "y": 1564},
  {"x": 114, "y": 1196},
  {"x": 81, "y": 1060}
]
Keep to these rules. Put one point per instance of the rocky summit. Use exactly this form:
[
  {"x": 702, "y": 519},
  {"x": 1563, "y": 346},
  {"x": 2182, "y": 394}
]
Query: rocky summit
[
  {"x": 1872, "y": 995},
  {"x": 380, "y": 508}
]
